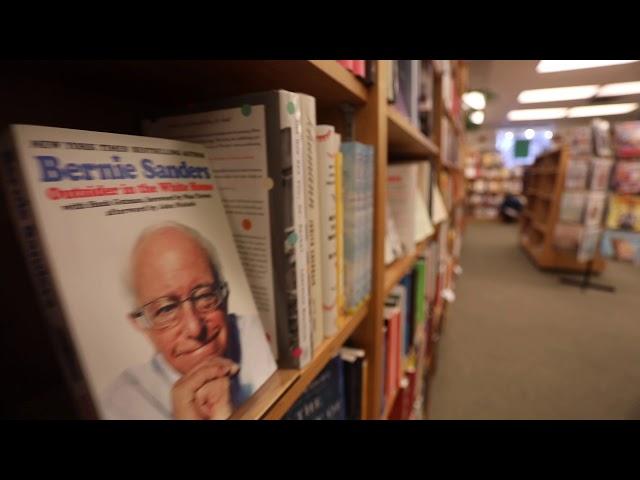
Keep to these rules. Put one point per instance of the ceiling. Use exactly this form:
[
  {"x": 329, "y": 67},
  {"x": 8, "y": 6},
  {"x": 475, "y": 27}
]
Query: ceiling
[{"x": 507, "y": 78}]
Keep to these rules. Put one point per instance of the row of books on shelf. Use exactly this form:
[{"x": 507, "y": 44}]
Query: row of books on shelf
[
  {"x": 339, "y": 392},
  {"x": 411, "y": 92},
  {"x": 498, "y": 173},
  {"x": 496, "y": 186},
  {"x": 246, "y": 209},
  {"x": 414, "y": 206}
]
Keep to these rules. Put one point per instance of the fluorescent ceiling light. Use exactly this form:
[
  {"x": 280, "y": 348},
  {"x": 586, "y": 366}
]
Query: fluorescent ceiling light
[
  {"x": 477, "y": 117},
  {"x": 557, "y": 94},
  {"x": 547, "y": 66},
  {"x": 529, "y": 134},
  {"x": 618, "y": 89},
  {"x": 474, "y": 100},
  {"x": 598, "y": 110},
  {"x": 536, "y": 114}
]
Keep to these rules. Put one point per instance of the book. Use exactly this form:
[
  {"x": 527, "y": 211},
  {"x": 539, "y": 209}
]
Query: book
[
  {"x": 327, "y": 151},
  {"x": 626, "y": 177},
  {"x": 357, "y": 199},
  {"x": 398, "y": 298},
  {"x": 601, "y": 138},
  {"x": 353, "y": 361},
  {"x": 419, "y": 292},
  {"x": 627, "y": 139},
  {"x": 393, "y": 247},
  {"x": 313, "y": 187},
  {"x": 623, "y": 246},
  {"x": 624, "y": 212},
  {"x": 255, "y": 143},
  {"x": 324, "y": 398},
  {"x": 572, "y": 206},
  {"x": 589, "y": 243},
  {"x": 348, "y": 64},
  {"x": 393, "y": 364},
  {"x": 594, "y": 208},
  {"x": 359, "y": 68},
  {"x": 576, "y": 175},
  {"x": 402, "y": 192},
  {"x": 600, "y": 173},
  {"x": 408, "y": 310},
  {"x": 439, "y": 213},
  {"x": 340, "y": 231},
  {"x": 135, "y": 265},
  {"x": 423, "y": 226}
]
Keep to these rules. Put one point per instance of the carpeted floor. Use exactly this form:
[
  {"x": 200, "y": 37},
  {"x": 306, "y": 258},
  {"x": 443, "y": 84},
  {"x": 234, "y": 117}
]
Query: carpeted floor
[{"x": 519, "y": 345}]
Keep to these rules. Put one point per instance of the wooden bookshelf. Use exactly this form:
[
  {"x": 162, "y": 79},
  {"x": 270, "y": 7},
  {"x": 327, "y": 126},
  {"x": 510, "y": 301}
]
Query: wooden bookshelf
[
  {"x": 116, "y": 95},
  {"x": 405, "y": 140},
  {"x": 305, "y": 376},
  {"x": 402, "y": 266},
  {"x": 547, "y": 176}
]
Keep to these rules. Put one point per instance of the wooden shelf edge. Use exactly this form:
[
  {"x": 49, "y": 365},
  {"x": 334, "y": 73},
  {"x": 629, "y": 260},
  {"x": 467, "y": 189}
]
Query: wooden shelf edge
[
  {"x": 389, "y": 406},
  {"x": 303, "y": 377},
  {"x": 346, "y": 79},
  {"x": 402, "y": 131},
  {"x": 398, "y": 269}
]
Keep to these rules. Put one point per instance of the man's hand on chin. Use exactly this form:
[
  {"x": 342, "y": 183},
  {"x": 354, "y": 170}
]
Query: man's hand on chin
[{"x": 205, "y": 392}]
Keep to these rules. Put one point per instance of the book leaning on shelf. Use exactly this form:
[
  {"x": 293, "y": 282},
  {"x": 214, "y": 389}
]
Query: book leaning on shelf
[
  {"x": 137, "y": 271},
  {"x": 257, "y": 145}
]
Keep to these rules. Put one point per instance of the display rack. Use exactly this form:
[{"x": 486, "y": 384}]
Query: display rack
[
  {"x": 115, "y": 96},
  {"x": 543, "y": 186}
]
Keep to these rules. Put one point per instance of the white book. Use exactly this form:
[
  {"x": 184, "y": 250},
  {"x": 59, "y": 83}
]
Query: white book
[
  {"x": 328, "y": 145},
  {"x": 440, "y": 213},
  {"x": 314, "y": 227},
  {"x": 423, "y": 226},
  {"x": 134, "y": 258},
  {"x": 402, "y": 192}
]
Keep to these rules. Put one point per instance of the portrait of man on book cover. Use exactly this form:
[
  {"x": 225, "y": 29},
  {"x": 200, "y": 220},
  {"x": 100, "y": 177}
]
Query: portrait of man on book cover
[{"x": 207, "y": 360}]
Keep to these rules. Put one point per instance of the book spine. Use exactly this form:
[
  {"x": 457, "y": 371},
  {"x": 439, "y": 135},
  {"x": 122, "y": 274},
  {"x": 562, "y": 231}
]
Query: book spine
[
  {"x": 19, "y": 206},
  {"x": 359, "y": 68},
  {"x": 348, "y": 64},
  {"x": 340, "y": 293},
  {"x": 312, "y": 194},
  {"x": 327, "y": 150},
  {"x": 300, "y": 328}
]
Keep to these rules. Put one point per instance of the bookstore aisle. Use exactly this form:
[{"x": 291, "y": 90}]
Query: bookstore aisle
[{"x": 517, "y": 344}]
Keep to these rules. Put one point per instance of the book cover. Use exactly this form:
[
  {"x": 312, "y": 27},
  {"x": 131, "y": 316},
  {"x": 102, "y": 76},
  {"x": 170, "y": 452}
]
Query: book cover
[
  {"x": 626, "y": 177},
  {"x": 402, "y": 191},
  {"x": 627, "y": 139},
  {"x": 398, "y": 298},
  {"x": 313, "y": 186},
  {"x": 594, "y": 208},
  {"x": 624, "y": 212},
  {"x": 623, "y": 246},
  {"x": 324, "y": 398},
  {"x": 393, "y": 248},
  {"x": 327, "y": 150},
  {"x": 255, "y": 144},
  {"x": 135, "y": 263},
  {"x": 439, "y": 213},
  {"x": 576, "y": 175},
  {"x": 589, "y": 243},
  {"x": 572, "y": 206},
  {"x": 600, "y": 173},
  {"x": 601, "y": 138}
]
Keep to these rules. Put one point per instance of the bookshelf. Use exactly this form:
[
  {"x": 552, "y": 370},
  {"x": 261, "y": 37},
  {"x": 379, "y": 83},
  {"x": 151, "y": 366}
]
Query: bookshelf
[
  {"x": 544, "y": 185},
  {"x": 115, "y": 96}
]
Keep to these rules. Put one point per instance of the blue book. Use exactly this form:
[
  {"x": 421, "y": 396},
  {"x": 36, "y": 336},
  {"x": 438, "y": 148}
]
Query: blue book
[
  {"x": 407, "y": 282},
  {"x": 324, "y": 398}
]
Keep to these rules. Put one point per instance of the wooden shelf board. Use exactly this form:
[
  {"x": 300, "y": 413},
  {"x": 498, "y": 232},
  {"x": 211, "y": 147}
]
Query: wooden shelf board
[
  {"x": 178, "y": 83},
  {"x": 389, "y": 406},
  {"x": 405, "y": 140},
  {"x": 402, "y": 266},
  {"x": 455, "y": 123},
  {"x": 302, "y": 378}
]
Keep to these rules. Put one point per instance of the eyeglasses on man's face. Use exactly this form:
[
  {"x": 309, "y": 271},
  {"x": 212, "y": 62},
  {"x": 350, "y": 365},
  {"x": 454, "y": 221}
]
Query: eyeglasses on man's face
[{"x": 166, "y": 311}]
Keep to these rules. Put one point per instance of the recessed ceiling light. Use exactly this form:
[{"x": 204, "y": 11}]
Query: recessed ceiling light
[
  {"x": 508, "y": 135},
  {"x": 618, "y": 89},
  {"x": 536, "y": 114},
  {"x": 474, "y": 100},
  {"x": 477, "y": 117},
  {"x": 598, "y": 110},
  {"x": 547, "y": 66},
  {"x": 529, "y": 134},
  {"x": 548, "y": 134},
  {"x": 557, "y": 94}
]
